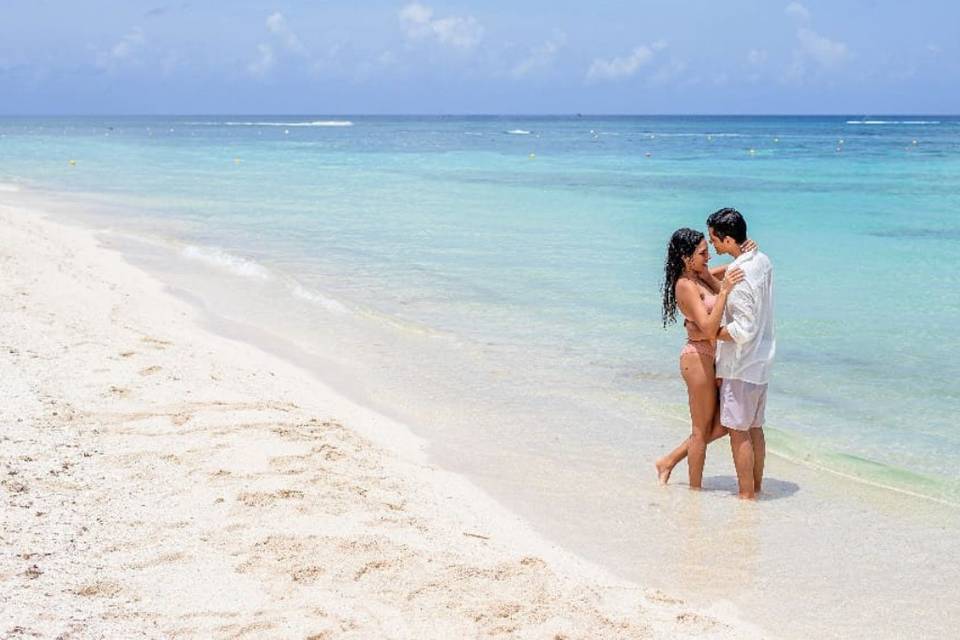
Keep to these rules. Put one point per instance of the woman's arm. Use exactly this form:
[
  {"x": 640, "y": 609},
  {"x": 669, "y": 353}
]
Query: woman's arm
[
  {"x": 692, "y": 307},
  {"x": 715, "y": 277}
]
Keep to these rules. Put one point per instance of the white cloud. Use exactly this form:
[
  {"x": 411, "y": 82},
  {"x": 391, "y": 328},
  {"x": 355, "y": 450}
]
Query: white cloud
[
  {"x": 264, "y": 62},
  {"x": 756, "y": 57},
  {"x": 798, "y": 12},
  {"x": 130, "y": 42},
  {"x": 625, "y": 66},
  {"x": 812, "y": 47},
  {"x": 415, "y": 17},
  {"x": 277, "y": 25},
  {"x": 123, "y": 52},
  {"x": 455, "y": 31},
  {"x": 826, "y": 52},
  {"x": 540, "y": 57},
  {"x": 284, "y": 39}
]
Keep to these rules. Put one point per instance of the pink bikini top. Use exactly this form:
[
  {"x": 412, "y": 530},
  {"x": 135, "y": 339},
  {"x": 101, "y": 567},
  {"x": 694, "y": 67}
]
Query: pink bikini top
[{"x": 709, "y": 301}]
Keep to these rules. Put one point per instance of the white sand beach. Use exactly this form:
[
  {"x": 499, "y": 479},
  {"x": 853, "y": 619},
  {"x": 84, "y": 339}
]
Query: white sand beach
[{"x": 161, "y": 481}]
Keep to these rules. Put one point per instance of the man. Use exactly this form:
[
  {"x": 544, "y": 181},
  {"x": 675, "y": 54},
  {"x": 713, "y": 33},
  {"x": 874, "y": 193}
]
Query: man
[{"x": 745, "y": 349}]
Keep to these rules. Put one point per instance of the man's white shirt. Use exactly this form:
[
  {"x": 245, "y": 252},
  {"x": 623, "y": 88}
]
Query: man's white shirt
[{"x": 748, "y": 318}]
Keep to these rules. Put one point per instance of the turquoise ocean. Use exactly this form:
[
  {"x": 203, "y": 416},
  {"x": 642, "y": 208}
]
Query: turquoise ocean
[{"x": 494, "y": 281}]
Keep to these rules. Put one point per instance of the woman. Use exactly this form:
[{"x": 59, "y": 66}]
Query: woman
[{"x": 690, "y": 286}]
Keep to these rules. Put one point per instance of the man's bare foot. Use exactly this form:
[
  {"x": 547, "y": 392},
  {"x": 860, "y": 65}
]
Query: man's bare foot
[{"x": 663, "y": 471}]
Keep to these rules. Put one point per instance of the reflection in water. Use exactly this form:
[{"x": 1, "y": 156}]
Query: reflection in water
[{"x": 740, "y": 542}]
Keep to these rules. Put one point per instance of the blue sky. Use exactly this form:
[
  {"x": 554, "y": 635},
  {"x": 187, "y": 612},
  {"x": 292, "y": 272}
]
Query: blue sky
[{"x": 647, "y": 57}]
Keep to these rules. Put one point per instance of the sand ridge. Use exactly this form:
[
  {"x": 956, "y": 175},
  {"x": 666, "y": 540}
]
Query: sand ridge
[{"x": 159, "y": 481}]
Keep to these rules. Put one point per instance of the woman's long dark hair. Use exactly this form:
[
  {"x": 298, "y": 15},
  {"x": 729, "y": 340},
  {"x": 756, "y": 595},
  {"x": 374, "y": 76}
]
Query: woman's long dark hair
[{"x": 682, "y": 245}]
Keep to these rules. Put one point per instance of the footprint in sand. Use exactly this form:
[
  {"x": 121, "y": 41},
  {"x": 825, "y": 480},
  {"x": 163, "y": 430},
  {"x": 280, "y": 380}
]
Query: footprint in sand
[
  {"x": 156, "y": 343},
  {"x": 251, "y": 630},
  {"x": 33, "y": 572},
  {"x": 180, "y": 419},
  {"x": 307, "y": 575},
  {"x": 376, "y": 565},
  {"x": 659, "y": 596},
  {"x": 168, "y": 558},
  {"x": 99, "y": 590},
  {"x": 696, "y": 621},
  {"x": 149, "y": 371},
  {"x": 260, "y": 499}
]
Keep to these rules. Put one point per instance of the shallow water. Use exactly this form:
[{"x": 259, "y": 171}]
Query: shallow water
[{"x": 498, "y": 291}]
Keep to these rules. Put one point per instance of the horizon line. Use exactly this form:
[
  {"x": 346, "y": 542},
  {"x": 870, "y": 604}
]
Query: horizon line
[{"x": 572, "y": 114}]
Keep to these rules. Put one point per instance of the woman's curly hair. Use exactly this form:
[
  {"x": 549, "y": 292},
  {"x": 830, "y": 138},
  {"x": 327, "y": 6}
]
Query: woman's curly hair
[{"x": 683, "y": 243}]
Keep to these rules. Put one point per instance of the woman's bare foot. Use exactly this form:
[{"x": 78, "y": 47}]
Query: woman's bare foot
[{"x": 663, "y": 471}]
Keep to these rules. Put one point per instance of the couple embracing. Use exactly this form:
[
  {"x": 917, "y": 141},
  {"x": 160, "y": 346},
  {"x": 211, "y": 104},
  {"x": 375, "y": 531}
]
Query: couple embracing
[{"x": 728, "y": 315}]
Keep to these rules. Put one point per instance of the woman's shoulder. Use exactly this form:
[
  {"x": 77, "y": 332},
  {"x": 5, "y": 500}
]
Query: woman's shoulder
[{"x": 687, "y": 287}]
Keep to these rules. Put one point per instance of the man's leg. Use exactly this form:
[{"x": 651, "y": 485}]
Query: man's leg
[
  {"x": 759, "y": 394},
  {"x": 743, "y": 460},
  {"x": 759, "y": 455}
]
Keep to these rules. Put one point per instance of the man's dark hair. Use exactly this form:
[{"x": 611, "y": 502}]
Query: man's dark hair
[{"x": 728, "y": 222}]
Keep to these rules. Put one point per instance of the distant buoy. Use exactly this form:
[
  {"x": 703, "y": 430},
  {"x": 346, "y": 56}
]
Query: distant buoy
[
  {"x": 776, "y": 139},
  {"x": 709, "y": 138},
  {"x": 647, "y": 155},
  {"x": 840, "y": 141},
  {"x": 839, "y": 149},
  {"x": 532, "y": 156},
  {"x": 286, "y": 132},
  {"x": 752, "y": 151},
  {"x": 73, "y": 163},
  {"x": 914, "y": 142}
]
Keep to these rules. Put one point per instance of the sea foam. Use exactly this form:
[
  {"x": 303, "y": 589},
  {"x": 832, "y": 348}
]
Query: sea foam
[
  {"x": 314, "y": 123},
  {"x": 220, "y": 259},
  {"x": 256, "y": 123},
  {"x": 317, "y": 298},
  {"x": 893, "y": 122}
]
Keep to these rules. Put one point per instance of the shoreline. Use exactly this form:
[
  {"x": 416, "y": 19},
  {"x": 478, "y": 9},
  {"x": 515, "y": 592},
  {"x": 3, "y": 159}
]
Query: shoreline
[
  {"x": 219, "y": 263},
  {"x": 143, "y": 451}
]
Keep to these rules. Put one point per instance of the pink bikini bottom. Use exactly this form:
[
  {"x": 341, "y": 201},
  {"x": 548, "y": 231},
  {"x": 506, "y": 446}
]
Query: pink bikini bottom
[{"x": 703, "y": 347}]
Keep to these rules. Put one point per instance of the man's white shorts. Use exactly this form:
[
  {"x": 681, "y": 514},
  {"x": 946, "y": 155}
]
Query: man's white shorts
[{"x": 742, "y": 404}]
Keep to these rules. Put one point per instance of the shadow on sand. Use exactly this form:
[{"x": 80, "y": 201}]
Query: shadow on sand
[{"x": 773, "y": 489}]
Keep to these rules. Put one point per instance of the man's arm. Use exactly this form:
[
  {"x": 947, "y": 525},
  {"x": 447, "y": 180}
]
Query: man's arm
[{"x": 743, "y": 326}]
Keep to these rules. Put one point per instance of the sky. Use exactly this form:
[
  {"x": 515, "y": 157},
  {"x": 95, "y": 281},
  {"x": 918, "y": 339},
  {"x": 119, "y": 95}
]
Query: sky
[{"x": 863, "y": 57}]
